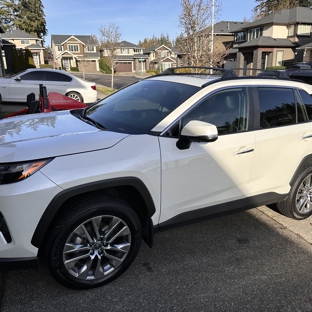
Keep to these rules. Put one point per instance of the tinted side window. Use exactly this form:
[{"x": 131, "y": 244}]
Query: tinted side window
[
  {"x": 226, "y": 109},
  {"x": 34, "y": 75},
  {"x": 307, "y": 101},
  {"x": 51, "y": 76},
  {"x": 277, "y": 107}
]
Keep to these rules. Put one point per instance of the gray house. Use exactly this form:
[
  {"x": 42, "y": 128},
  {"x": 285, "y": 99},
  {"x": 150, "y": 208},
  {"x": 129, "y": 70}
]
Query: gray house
[{"x": 278, "y": 39}]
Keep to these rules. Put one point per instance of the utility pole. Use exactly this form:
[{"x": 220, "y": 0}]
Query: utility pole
[{"x": 212, "y": 33}]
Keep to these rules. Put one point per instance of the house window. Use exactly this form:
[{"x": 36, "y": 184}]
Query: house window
[
  {"x": 291, "y": 30},
  {"x": 241, "y": 36},
  {"x": 24, "y": 41},
  {"x": 137, "y": 50},
  {"x": 279, "y": 58},
  {"x": 124, "y": 51},
  {"x": 304, "y": 30},
  {"x": 73, "y": 47},
  {"x": 165, "y": 65},
  {"x": 59, "y": 48},
  {"x": 254, "y": 33},
  {"x": 163, "y": 53},
  {"x": 91, "y": 48}
]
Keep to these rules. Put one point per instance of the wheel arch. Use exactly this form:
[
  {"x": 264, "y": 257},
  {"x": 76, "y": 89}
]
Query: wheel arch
[
  {"x": 305, "y": 163},
  {"x": 72, "y": 91},
  {"x": 131, "y": 190}
]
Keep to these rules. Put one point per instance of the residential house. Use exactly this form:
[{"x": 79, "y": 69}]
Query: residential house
[
  {"x": 23, "y": 40},
  {"x": 162, "y": 56},
  {"x": 223, "y": 38},
  {"x": 278, "y": 39},
  {"x": 129, "y": 57},
  {"x": 75, "y": 51}
]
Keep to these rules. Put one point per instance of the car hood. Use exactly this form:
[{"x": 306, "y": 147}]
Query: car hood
[{"x": 48, "y": 135}]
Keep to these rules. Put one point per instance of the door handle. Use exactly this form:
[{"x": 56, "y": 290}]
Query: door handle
[
  {"x": 306, "y": 136},
  {"x": 245, "y": 151}
]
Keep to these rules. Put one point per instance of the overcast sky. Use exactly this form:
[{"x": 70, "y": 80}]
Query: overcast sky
[{"x": 136, "y": 19}]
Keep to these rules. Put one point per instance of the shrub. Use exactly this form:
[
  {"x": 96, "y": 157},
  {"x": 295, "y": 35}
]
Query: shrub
[
  {"x": 46, "y": 66},
  {"x": 151, "y": 72},
  {"x": 105, "y": 69},
  {"x": 275, "y": 67},
  {"x": 74, "y": 69}
]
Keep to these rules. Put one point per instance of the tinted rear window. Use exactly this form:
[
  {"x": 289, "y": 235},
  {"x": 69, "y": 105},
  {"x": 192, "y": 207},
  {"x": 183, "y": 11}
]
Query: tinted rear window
[{"x": 51, "y": 76}]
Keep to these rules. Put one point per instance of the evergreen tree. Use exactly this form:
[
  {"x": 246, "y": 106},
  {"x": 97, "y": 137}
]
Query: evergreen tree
[
  {"x": 29, "y": 60},
  {"x": 16, "y": 65},
  {"x": 8, "y": 13},
  {"x": 31, "y": 18},
  {"x": 267, "y": 7}
]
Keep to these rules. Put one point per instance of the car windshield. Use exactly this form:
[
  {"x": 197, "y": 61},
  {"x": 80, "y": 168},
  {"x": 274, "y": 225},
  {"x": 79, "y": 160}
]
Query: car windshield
[{"x": 138, "y": 108}]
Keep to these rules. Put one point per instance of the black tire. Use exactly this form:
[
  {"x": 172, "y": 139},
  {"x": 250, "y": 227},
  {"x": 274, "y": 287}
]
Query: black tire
[
  {"x": 298, "y": 204},
  {"x": 94, "y": 243},
  {"x": 75, "y": 95}
]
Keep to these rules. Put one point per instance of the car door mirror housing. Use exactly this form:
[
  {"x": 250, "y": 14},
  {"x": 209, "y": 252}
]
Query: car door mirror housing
[
  {"x": 18, "y": 78},
  {"x": 197, "y": 131}
]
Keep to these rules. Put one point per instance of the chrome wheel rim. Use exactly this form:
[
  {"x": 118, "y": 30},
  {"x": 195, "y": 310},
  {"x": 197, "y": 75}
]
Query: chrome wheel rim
[
  {"x": 97, "y": 247},
  {"x": 74, "y": 96},
  {"x": 304, "y": 196}
]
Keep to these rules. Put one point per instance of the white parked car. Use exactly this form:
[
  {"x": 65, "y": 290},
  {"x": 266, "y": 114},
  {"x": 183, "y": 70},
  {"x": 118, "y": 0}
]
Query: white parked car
[
  {"x": 16, "y": 87},
  {"x": 82, "y": 188}
]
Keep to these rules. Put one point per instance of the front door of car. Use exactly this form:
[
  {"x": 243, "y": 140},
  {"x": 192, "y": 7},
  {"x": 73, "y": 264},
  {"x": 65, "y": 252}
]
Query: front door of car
[
  {"x": 21, "y": 85},
  {"x": 208, "y": 174}
]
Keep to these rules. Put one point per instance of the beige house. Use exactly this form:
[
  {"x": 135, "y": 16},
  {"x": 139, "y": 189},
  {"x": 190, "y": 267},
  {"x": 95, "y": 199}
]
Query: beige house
[
  {"x": 75, "y": 51},
  {"x": 129, "y": 57},
  {"x": 23, "y": 40},
  {"x": 161, "y": 56},
  {"x": 274, "y": 40}
]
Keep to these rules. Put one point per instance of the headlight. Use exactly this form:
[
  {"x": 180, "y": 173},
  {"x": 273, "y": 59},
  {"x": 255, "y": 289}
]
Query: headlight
[{"x": 15, "y": 172}]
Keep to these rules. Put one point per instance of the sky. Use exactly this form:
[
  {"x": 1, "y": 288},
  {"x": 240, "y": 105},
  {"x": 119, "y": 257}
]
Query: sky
[{"x": 136, "y": 19}]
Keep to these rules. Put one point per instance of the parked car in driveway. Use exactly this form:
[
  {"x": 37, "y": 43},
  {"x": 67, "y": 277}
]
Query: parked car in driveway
[
  {"x": 17, "y": 87},
  {"x": 82, "y": 188}
]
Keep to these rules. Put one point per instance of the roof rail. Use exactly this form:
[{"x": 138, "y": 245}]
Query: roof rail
[
  {"x": 274, "y": 74},
  {"x": 199, "y": 70}
]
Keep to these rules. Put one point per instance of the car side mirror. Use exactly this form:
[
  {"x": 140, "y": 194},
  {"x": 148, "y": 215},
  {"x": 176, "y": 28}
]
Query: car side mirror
[
  {"x": 197, "y": 131},
  {"x": 18, "y": 78}
]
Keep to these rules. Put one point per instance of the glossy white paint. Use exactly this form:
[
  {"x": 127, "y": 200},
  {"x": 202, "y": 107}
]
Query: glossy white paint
[
  {"x": 205, "y": 174},
  {"x": 235, "y": 166},
  {"x": 278, "y": 154},
  {"x": 50, "y": 135}
]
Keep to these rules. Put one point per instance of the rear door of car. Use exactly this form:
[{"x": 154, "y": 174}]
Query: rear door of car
[
  {"x": 209, "y": 174},
  {"x": 283, "y": 137},
  {"x": 56, "y": 81}
]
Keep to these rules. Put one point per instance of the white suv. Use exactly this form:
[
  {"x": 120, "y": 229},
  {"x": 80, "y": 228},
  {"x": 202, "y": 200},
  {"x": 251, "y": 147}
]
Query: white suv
[{"x": 81, "y": 188}]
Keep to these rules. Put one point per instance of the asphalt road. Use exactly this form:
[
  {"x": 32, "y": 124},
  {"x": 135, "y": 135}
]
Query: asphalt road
[
  {"x": 105, "y": 80},
  {"x": 241, "y": 262}
]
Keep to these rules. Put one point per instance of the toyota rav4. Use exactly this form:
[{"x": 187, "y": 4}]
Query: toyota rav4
[{"x": 81, "y": 188}]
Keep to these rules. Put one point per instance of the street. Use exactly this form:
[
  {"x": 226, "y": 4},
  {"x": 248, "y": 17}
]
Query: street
[
  {"x": 105, "y": 80},
  {"x": 241, "y": 262}
]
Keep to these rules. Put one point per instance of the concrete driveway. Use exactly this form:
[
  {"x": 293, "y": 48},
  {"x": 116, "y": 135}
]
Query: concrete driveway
[{"x": 251, "y": 261}]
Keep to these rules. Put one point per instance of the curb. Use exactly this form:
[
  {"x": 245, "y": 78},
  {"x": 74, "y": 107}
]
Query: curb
[{"x": 302, "y": 228}]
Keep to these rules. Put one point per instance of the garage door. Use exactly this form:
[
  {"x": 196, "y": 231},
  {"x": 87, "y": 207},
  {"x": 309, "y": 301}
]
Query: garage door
[
  {"x": 124, "y": 67},
  {"x": 89, "y": 66}
]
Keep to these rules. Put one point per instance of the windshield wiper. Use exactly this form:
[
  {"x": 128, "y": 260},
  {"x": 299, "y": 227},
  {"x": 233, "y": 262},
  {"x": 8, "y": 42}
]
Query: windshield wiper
[{"x": 91, "y": 121}]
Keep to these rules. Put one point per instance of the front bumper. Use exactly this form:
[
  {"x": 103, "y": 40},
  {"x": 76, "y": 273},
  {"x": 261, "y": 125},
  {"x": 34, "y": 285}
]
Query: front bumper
[{"x": 22, "y": 205}]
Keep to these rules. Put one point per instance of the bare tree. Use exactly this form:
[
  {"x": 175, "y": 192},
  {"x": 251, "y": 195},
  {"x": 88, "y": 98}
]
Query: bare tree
[
  {"x": 195, "y": 17},
  {"x": 110, "y": 38}
]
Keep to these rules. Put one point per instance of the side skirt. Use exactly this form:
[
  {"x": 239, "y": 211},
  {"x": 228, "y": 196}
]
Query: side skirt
[{"x": 219, "y": 210}]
